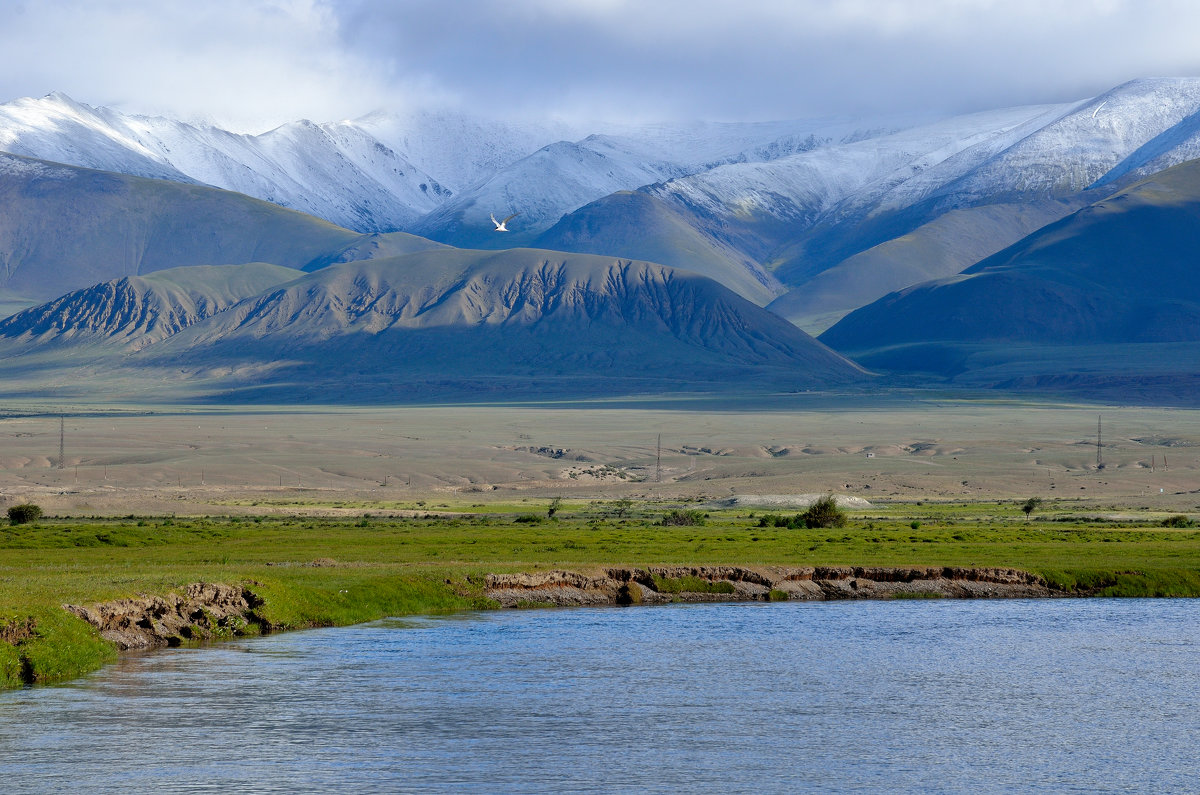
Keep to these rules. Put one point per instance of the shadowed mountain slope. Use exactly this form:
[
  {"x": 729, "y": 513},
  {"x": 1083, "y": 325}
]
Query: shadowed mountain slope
[
  {"x": 1120, "y": 272},
  {"x": 63, "y": 228},
  {"x": 941, "y": 248},
  {"x": 634, "y": 224}
]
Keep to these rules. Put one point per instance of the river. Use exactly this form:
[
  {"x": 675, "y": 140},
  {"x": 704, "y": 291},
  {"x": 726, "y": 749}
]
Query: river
[{"x": 896, "y": 696}]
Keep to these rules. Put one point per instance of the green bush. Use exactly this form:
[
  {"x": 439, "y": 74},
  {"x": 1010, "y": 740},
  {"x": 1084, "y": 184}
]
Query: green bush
[
  {"x": 680, "y": 518},
  {"x": 1178, "y": 520},
  {"x": 528, "y": 518},
  {"x": 824, "y": 513},
  {"x": 24, "y": 514}
]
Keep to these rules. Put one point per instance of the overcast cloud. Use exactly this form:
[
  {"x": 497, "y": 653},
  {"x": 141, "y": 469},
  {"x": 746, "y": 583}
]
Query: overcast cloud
[{"x": 256, "y": 63}]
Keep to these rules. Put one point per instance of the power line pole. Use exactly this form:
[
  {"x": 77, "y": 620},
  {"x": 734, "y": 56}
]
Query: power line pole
[
  {"x": 658, "y": 461},
  {"x": 1099, "y": 443},
  {"x": 62, "y": 433}
]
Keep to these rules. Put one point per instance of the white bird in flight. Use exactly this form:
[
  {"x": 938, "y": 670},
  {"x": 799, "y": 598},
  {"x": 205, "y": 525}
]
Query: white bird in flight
[{"x": 500, "y": 225}]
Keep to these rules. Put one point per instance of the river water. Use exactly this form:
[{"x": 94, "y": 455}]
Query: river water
[{"x": 903, "y": 696}]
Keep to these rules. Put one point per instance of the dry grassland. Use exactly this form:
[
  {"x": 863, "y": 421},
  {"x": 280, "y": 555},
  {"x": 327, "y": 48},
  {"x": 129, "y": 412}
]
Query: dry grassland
[{"x": 135, "y": 460}]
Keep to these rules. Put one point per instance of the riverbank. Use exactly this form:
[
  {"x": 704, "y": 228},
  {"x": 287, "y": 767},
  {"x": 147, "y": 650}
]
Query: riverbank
[
  {"x": 178, "y": 581},
  {"x": 666, "y": 584},
  {"x": 218, "y": 611}
]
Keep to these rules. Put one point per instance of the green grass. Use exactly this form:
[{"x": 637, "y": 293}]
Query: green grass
[
  {"x": 690, "y": 584},
  {"x": 392, "y": 567}
]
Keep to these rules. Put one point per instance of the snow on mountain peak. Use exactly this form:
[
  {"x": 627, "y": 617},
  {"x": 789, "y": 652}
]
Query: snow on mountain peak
[{"x": 441, "y": 172}]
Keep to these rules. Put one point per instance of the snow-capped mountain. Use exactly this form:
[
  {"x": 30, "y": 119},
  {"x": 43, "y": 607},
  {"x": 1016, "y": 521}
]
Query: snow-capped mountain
[
  {"x": 566, "y": 175},
  {"x": 1023, "y": 152},
  {"x": 1086, "y": 144},
  {"x": 430, "y": 170},
  {"x": 771, "y": 205},
  {"x": 342, "y": 175},
  {"x": 58, "y": 129},
  {"x": 795, "y": 192},
  {"x": 806, "y": 214}
]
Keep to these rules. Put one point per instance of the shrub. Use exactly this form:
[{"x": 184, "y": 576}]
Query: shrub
[
  {"x": 24, "y": 514},
  {"x": 620, "y": 508},
  {"x": 1178, "y": 520},
  {"x": 824, "y": 513},
  {"x": 680, "y": 518},
  {"x": 1031, "y": 505},
  {"x": 915, "y": 525},
  {"x": 528, "y": 518},
  {"x": 774, "y": 520}
]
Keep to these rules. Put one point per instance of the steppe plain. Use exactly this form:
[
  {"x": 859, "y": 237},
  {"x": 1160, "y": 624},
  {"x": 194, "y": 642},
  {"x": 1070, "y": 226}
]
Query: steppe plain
[
  {"x": 268, "y": 518},
  {"x": 337, "y": 461}
]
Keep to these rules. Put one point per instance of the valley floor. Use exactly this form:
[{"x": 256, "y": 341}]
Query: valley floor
[{"x": 343, "y": 461}]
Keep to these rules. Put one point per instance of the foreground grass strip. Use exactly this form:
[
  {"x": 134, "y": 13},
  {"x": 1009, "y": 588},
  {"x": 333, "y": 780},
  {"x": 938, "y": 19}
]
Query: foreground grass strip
[{"x": 325, "y": 572}]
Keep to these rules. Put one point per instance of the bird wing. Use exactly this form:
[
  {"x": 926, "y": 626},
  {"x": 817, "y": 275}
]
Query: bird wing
[
  {"x": 494, "y": 221},
  {"x": 509, "y": 218}
]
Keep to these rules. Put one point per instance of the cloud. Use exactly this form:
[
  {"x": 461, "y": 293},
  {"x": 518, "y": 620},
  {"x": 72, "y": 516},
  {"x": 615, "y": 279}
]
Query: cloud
[
  {"x": 251, "y": 64},
  {"x": 261, "y": 62},
  {"x": 773, "y": 58}
]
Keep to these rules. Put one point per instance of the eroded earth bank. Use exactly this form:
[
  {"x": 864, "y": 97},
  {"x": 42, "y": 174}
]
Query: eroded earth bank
[
  {"x": 217, "y": 610},
  {"x": 663, "y": 584}
]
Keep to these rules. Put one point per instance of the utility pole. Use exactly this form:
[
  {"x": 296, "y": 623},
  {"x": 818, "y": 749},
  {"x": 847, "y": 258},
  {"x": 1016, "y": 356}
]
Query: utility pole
[
  {"x": 62, "y": 434},
  {"x": 658, "y": 461},
  {"x": 1099, "y": 444}
]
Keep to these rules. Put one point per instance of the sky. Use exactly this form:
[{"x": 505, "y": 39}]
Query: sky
[{"x": 253, "y": 64}]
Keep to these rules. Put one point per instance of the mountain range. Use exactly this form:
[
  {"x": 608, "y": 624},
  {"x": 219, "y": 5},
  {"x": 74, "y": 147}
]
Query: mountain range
[
  {"x": 923, "y": 247},
  {"x": 519, "y": 323}
]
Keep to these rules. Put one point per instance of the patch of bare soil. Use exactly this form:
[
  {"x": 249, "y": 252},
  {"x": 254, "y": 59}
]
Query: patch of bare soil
[{"x": 205, "y": 610}]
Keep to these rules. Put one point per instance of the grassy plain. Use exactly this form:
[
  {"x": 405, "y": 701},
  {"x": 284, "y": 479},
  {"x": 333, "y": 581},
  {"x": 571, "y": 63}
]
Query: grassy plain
[
  {"x": 344, "y": 515},
  {"x": 321, "y": 571}
]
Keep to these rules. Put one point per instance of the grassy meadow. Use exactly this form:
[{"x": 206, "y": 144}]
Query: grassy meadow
[{"x": 313, "y": 571}]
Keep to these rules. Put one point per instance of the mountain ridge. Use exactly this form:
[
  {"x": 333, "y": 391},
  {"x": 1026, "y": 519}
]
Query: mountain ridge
[{"x": 442, "y": 322}]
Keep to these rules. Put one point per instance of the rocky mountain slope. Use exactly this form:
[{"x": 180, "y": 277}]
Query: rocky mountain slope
[
  {"x": 448, "y": 322},
  {"x": 135, "y": 311},
  {"x": 520, "y": 321}
]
